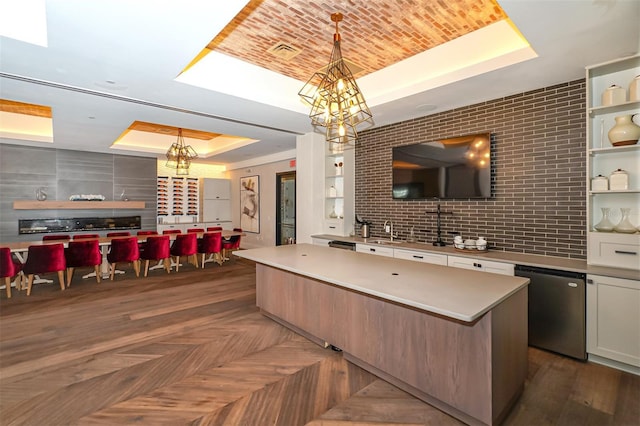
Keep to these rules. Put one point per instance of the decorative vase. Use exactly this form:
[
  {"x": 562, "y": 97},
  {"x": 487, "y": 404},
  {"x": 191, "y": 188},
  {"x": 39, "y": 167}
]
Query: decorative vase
[
  {"x": 634, "y": 89},
  {"x": 41, "y": 195},
  {"x": 605, "y": 225},
  {"x": 625, "y": 226},
  {"x": 625, "y": 131}
]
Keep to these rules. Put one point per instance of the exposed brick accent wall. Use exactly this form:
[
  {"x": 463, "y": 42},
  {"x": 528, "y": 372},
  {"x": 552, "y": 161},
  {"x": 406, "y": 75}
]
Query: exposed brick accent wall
[{"x": 538, "y": 174}]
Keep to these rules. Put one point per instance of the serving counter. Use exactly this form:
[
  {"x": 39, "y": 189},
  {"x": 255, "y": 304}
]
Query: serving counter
[{"x": 454, "y": 338}]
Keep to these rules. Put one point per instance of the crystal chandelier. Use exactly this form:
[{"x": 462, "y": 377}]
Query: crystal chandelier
[
  {"x": 179, "y": 156},
  {"x": 335, "y": 99}
]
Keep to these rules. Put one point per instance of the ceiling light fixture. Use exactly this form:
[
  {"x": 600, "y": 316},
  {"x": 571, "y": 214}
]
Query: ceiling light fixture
[
  {"x": 335, "y": 99},
  {"x": 179, "y": 156}
]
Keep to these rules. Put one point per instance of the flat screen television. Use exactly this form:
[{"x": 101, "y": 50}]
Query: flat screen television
[{"x": 448, "y": 168}]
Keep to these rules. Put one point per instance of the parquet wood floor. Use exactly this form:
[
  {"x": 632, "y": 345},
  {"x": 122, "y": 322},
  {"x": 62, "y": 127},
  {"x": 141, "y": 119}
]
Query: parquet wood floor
[{"x": 192, "y": 349}]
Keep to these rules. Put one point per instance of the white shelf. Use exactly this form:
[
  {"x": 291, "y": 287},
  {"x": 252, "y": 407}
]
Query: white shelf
[
  {"x": 598, "y": 110},
  {"x": 616, "y": 191},
  {"x": 611, "y": 149}
]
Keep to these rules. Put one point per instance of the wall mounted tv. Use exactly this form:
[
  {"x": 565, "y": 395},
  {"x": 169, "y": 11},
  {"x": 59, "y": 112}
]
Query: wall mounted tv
[{"x": 448, "y": 168}]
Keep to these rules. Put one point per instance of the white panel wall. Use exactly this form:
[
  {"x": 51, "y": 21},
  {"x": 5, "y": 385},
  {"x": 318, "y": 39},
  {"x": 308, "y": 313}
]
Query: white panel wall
[{"x": 309, "y": 188}]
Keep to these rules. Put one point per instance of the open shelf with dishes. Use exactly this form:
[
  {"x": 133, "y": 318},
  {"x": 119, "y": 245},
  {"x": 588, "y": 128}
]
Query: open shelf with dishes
[{"x": 607, "y": 160}]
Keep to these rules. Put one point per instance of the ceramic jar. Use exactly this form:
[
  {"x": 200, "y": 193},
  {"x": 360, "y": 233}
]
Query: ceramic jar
[
  {"x": 625, "y": 226},
  {"x": 614, "y": 95},
  {"x": 481, "y": 244},
  {"x": 600, "y": 183},
  {"x": 625, "y": 131},
  {"x": 634, "y": 89},
  {"x": 619, "y": 180},
  {"x": 605, "y": 225}
]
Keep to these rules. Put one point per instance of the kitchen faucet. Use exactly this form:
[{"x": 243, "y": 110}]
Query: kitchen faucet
[{"x": 389, "y": 228}]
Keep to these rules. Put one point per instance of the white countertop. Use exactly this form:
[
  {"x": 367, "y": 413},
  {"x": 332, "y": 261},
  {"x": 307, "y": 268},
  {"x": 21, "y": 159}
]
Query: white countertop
[
  {"x": 551, "y": 262},
  {"x": 456, "y": 293}
]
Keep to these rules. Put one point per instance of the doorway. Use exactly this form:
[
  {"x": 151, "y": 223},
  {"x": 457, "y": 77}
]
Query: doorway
[{"x": 285, "y": 208}]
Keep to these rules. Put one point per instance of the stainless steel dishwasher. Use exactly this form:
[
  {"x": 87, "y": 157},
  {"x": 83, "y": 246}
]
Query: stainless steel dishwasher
[{"x": 557, "y": 310}]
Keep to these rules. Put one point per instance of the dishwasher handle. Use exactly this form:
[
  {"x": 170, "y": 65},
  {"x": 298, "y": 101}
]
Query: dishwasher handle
[{"x": 547, "y": 271}]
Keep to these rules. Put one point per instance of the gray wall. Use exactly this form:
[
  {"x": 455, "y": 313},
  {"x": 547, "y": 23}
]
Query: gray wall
[
  {"x": 63, "y": 173},
  {"x": 538, "y": 179}
]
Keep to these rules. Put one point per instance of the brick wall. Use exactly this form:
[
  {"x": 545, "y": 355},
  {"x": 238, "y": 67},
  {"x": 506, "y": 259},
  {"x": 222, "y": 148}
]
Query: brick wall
[{"x": 538, "y": 174}]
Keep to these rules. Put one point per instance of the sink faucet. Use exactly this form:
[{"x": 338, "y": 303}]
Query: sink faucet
[{"x": 389, "y": 228}]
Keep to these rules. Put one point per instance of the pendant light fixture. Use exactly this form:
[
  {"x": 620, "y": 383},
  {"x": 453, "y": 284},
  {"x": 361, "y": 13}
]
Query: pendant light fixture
[
  {"x": 179, "y": 156},
  {"x": 335, "y": 99}
]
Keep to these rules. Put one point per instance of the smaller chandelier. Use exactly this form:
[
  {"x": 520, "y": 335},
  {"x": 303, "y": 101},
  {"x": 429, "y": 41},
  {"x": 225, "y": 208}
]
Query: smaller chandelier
[
  {"x": 335, "y": 99},
  {"x": 179, "y": 156}
]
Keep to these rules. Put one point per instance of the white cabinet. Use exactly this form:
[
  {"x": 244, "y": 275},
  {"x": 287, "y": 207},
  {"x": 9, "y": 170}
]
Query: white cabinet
[
  {"x": 608, "y": 248},
  {"x": 375, "y": 249},
  {"x": 478, "y": 264},
  {"x": 320, "y": 242},
  {"x": 613, "y": 318},
  {"x": 216, "y": 210},
  {"x": 420, "y": 256},
  {"x": 216, "y": 189},
  {"x": 339, "y": 187},
  {"x": 216, "y": 200}
]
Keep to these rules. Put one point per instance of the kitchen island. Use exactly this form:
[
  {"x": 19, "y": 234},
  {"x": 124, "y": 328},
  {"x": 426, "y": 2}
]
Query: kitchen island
[{"x": 454, "y": 338}]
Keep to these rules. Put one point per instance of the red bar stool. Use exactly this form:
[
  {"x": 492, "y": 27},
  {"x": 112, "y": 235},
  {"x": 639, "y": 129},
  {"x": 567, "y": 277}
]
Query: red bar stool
[
  {"x": 211, "y": 243},
  {"x": 214, "y": 228},
  {"x": 231, "y": 244},
  {"x": 80, "y": 254},
  {"x": 124, "y": 250},
  {"x": 55, "y": 237},
  {"x": 156, "y": 248},
  {"x": 9, "y": 268},
  {"x": 119, "y": 234},
  {"x": 195, "y": 230},
  {"x": 85, "y": 236},
  {"x": 185, "y": 245},
  {"x": 43, "y": 259}
]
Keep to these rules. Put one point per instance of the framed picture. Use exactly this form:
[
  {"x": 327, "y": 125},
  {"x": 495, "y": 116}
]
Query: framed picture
[{"x": 250, "y": 204}]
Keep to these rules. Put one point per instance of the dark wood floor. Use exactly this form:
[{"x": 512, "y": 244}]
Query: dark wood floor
[{"x": 192, "y": 349}]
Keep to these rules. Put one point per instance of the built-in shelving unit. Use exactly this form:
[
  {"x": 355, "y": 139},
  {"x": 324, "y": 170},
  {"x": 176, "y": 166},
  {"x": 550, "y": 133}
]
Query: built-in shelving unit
[
  {"x": 76, "y": 205},
  {"x": 338, "y": 187},
  {"x": 611, "y": 248}
]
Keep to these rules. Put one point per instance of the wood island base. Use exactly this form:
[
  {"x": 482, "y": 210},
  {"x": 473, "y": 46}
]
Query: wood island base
[{"x": 472, "y": 371}]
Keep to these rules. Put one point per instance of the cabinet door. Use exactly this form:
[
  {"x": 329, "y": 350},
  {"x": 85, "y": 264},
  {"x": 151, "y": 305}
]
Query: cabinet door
[
  {"x": 377, "y": 250},
  {"x": 216, "y": 210},
  {"x": 421, "y": 256},
  {"x": 216, "y": 189},
  {"x": 320, "y": 242},
  {"x": 172, "y": 226},
  {"x": 463, "y": 262},
  {"x": 497, "y": 267},
  {"x": 613, "y": 318}
]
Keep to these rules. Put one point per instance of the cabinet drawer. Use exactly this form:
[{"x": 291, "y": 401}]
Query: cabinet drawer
[
  {"x": 378, "y": 250},
  {"x": 615, "y": 250},
  {"x": 333, "y": 227},
  {"x": 420, "y": 256}
]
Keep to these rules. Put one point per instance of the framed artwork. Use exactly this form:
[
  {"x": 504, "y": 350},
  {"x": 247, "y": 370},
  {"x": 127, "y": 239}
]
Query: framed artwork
[{"x": 250, "y": 204}]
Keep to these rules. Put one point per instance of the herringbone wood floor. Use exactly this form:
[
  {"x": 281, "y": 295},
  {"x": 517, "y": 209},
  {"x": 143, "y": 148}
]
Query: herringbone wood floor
[{"x": 192, "y": 348}]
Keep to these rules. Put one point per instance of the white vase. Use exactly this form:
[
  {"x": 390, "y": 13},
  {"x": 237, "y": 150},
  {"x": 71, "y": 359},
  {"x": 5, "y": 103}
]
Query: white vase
[
  {"x": 634, "y": 89},
  {"x": 605, "y": 225},
  {"x": 625, "y": 226},
  {"x": 625, "y": 131}
]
